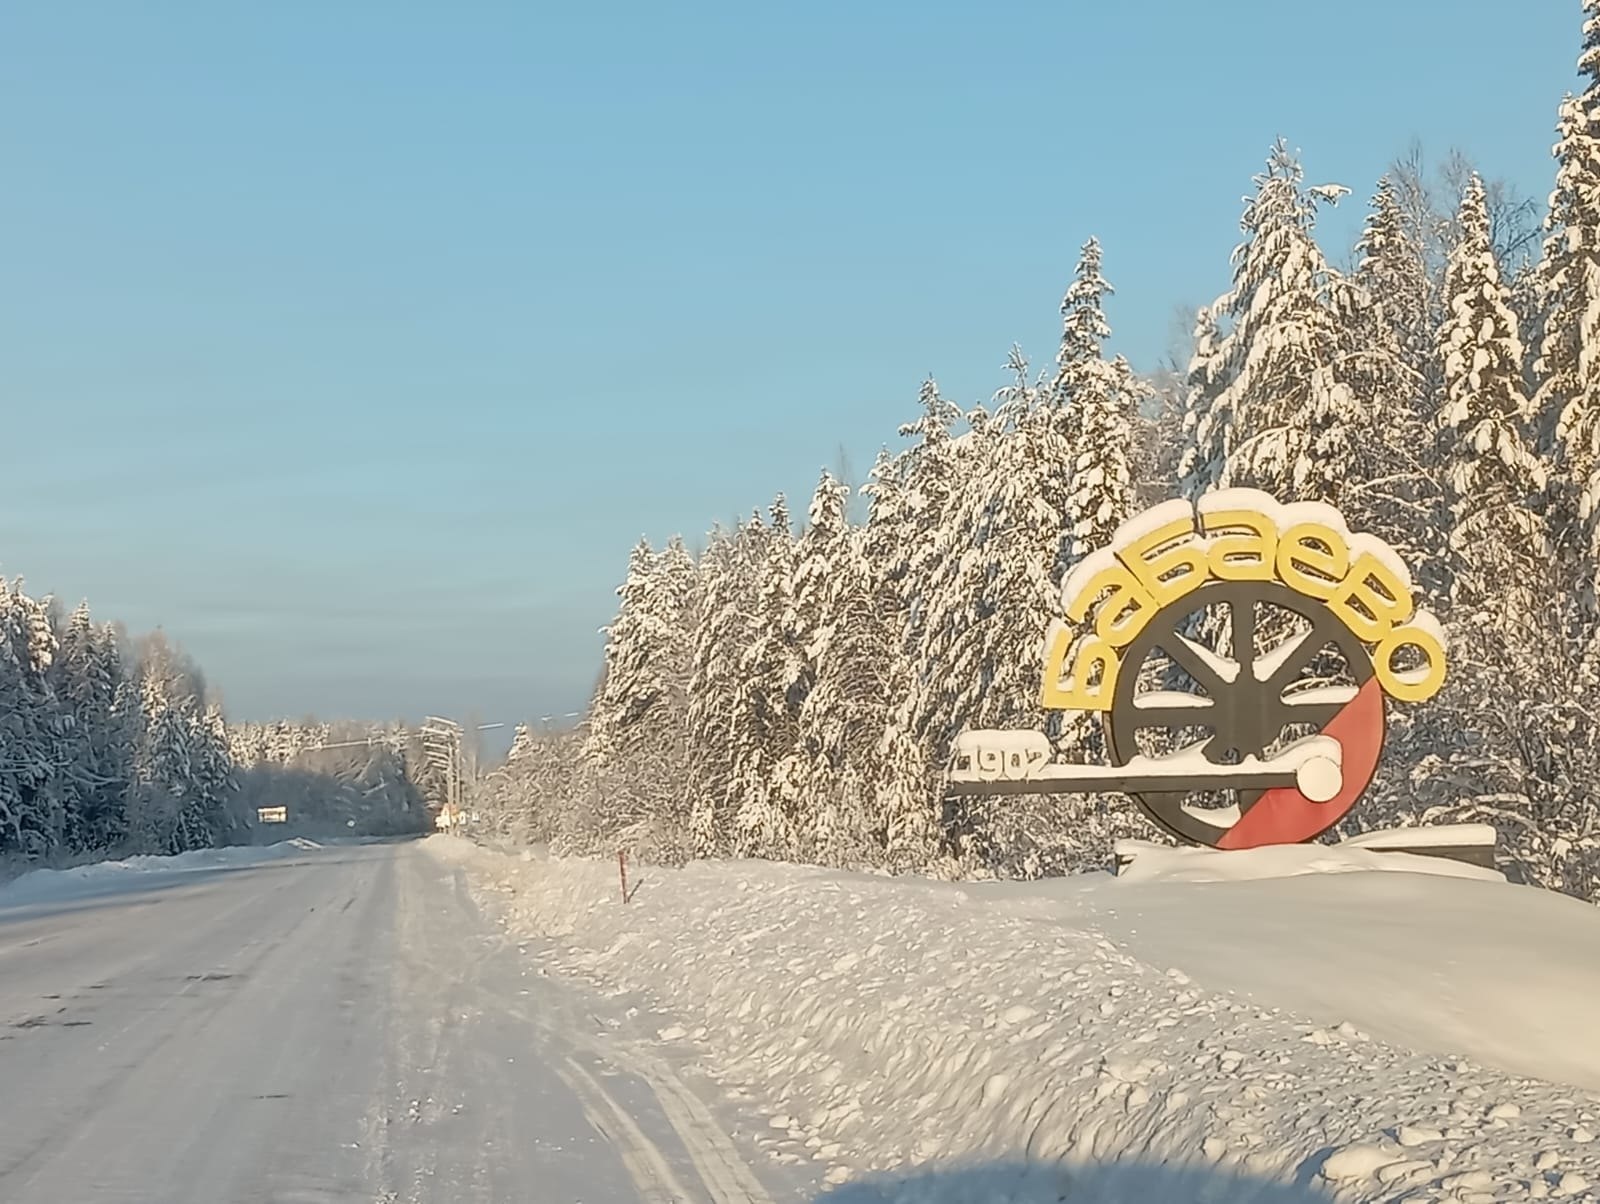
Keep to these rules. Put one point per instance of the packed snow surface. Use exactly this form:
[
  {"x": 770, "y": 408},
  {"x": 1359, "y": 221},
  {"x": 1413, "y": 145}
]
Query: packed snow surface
[{"x": 1381, "y": 1032}]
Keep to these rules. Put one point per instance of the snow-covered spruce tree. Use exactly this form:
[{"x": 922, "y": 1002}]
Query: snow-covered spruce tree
[
  {"x": 1093, "y": 403},
  {"x": 86, "y": 675},
  {"x": 713, "y": 718},
  {"x": 914, "y": 544},
  {"x": 1093, "y": 407},
  {"x": 1388, "y": 364},
  {"x": 1502, "y": 738},
  {"x": 845, "y": 716},
  {"x": 1207, "y": 424},
  {"x": 215, "y": 778},
  {"x": 1272, "y": 375},
  {"x": 950, "y": 640},
  {"x": 1493, "y": 475},
  {"x": 181, "y": 771},
  {"x": 33, "y": 729},
  {"x": 905, "y": 793},
  {"x": 1568, "y": 363},
  {"x": 1023, "y": 529},
  {"x": 975, "y": 604},
  {"x": 521, "y": 743},
  {"x": 1392, "y": 267},
  {"x": 637, "y": 737},
  {"x": 912, "y": 499},
  {"x": 774, "y": 677}
]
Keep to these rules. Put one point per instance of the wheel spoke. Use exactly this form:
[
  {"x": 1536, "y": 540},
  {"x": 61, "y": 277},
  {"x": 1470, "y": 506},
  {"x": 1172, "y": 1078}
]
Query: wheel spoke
[
  {"x": 1243, "y": 616},
  {"x": 1304, "y": 653},
  {"x": 1193, "y": 660}
]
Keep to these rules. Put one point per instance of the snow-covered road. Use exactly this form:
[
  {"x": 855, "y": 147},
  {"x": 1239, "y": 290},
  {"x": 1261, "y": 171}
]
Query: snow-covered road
[{"x": 335, "y": 1024}]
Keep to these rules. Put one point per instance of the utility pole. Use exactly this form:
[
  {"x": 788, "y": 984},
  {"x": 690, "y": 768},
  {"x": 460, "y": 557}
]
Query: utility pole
[
  {"x": 447, "y": 751},
  {"x": 441, "y": 746}
]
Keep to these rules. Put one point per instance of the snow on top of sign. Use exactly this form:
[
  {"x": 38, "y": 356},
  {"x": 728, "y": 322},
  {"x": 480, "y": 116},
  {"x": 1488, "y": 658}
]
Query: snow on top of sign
[
  {"x": 1241, "y": 499},
  {"x": 1078, "y": 577},
  {"x": 1294, "y": 513},
  {"x": 1383, "y": 554},
  {"x": 1153, "y": 519},
  {"x": 1283, "y": 516},
  {"x": 1425, "y": 622},
  {"x": 1191, "y": 762}
]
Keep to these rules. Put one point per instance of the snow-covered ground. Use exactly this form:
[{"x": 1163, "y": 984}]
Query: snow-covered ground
[
  {"x": 1301, "y": 1033},
  {"x": 47, "y": 885}
]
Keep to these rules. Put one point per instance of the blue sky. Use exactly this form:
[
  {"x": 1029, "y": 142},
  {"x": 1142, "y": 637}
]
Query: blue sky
[{"x": 355, "y": 343}]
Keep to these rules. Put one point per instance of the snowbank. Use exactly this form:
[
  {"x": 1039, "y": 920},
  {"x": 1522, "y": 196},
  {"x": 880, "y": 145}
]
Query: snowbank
[
  {"x": 1509, "y": 976},
  {"x": 44, "y": 885},
  {"x": 1164, "y": 863},
  {"x": 874, "y": 1024}
]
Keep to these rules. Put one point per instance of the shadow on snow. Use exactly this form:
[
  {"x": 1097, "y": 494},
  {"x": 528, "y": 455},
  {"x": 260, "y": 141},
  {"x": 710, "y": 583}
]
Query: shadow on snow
[{"x": 1105, "y": 1183}]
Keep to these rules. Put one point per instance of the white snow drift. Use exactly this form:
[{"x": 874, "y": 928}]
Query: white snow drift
[
  {"x": 46, "y": 885},
  {"x": 874, "y": 1024}
]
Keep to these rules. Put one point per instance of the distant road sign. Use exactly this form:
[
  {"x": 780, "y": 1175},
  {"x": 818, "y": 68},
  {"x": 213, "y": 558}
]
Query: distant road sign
[{"x": 272, "y": 815}]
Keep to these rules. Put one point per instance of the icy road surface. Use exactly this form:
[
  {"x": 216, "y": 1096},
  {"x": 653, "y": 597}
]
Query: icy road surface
[{"x": 338, "y": 1024}]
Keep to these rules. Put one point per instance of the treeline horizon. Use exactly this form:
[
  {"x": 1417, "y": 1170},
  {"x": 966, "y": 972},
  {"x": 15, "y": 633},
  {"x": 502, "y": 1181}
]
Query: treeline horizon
[{"x": 115, "y": 744}]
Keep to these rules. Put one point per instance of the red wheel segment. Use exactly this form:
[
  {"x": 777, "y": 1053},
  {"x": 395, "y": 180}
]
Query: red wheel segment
[{"x": 1283, "y": 815}]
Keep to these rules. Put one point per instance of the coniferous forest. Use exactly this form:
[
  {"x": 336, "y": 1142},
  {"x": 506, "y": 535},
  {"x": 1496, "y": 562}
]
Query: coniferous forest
[
  {"x": 791, "y": 688},
  {"x": 117, "y": 745}
]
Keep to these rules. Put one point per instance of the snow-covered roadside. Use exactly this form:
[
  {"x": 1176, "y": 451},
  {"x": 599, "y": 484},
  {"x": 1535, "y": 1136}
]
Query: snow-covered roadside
[
  {"x": 47, "y": 885},
  {"x": 883, "y": 1024}
]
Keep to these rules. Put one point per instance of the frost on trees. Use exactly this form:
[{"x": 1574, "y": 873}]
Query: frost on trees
[
  {"x": 903, "y": 793},
  {"x": 1511, "y": 614},
  {"x": 1021, "y": 526},
  {"x": 832, "y": 600},
  {"x": 637, "y": 729},
  {"x": 1492, "y": 474},
  {"x": 774, "y": 674},
  {"x": 1207, "y": 420},
  {"x": 1568, "y": 364},
  {"x": 32, "y": 811},
  {"x": 922, "y": 524},
  {"x": 1386, "y": 308},
  {"x": 714, "y": 725},
  {"x": 1095, "y": 402},
  {"x": 87, "y": 675},
  {"x": 1269, "y": 373},
  {"x": 846, "y": 714},
  {"x": 521, "y": 743}
]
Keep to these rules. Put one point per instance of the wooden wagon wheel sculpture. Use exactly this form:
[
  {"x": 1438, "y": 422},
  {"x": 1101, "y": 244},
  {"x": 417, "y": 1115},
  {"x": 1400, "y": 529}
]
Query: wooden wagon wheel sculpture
[{"x": 1240, "y": 653}]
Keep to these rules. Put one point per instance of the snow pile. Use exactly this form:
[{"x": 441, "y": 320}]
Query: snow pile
[
  {"x": 42, "y": 885},
  {"x": 1437, "y": 962},
  {"x": 873, "y": 1024},
  {"x": 1147, "y": 862}
]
